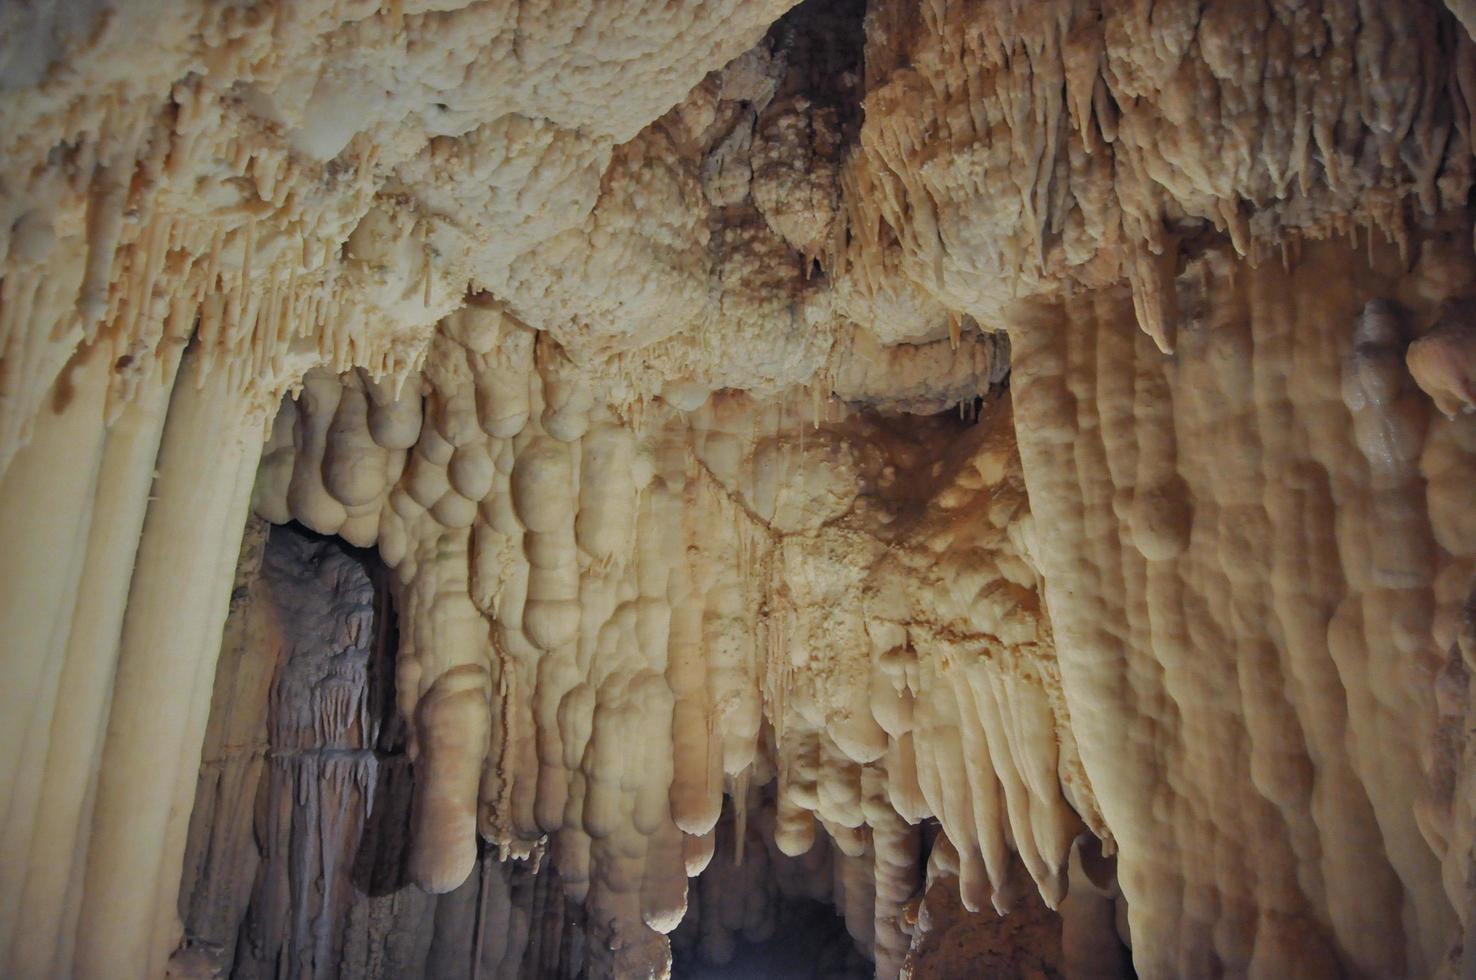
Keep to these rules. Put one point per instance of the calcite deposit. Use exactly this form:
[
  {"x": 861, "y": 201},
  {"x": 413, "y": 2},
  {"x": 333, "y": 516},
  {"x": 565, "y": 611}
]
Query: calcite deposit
[{"x": 597, "y": 488}]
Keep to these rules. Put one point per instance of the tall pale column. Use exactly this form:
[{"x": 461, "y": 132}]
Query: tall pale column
[
  {"x": 58, "y": 844},
  {"x": 46, "y": 495},
  {"x": 177, "y": 606}
]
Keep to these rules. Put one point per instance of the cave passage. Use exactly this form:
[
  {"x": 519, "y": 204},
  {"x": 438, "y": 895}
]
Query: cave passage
[{"x": 616, "y": 490}]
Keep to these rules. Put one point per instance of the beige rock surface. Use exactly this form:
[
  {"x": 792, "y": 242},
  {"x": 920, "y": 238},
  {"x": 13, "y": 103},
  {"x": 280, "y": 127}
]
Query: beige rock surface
[{"x": 932, "y": 458}]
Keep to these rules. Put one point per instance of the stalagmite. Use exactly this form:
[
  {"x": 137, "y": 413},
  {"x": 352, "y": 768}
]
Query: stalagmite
[{"x": 796, "y": 487}]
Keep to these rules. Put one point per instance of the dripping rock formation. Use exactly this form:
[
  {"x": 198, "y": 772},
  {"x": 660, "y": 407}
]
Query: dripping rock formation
[{"x": 731, "y": 488}]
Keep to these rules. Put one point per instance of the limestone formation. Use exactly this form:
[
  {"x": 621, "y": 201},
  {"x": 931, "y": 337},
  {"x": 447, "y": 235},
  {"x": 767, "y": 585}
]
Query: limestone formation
[{"x": 594, "y": 488}]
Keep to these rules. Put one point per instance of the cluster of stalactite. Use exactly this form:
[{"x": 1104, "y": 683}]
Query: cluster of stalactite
[
  {"x": 609, "y": 625},
  {"x": 1014, "y": 452}
]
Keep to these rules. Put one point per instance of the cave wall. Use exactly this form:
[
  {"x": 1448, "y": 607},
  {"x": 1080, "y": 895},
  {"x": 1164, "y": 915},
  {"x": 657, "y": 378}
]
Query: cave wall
[
  {"x": 1254, "y": 578},
  {"x": 942, "y": 439},
  {"x": 290, "y": 864},
  {"x": 297, "y": 852}
]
